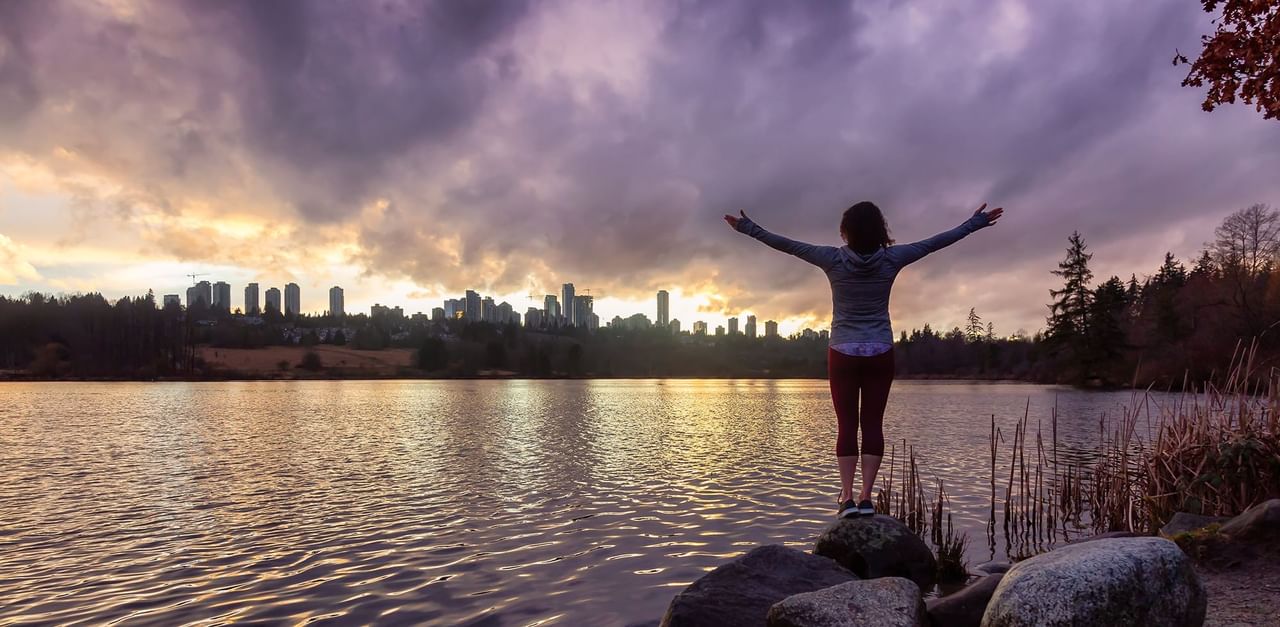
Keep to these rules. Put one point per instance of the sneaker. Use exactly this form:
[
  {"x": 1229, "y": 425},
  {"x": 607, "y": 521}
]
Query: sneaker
[
  {"x": 866, "y": 508},
  {"x": 848, "y": 509}
]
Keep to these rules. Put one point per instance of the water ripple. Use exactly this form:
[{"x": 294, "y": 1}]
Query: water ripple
[{"x": 462, "y": 502}]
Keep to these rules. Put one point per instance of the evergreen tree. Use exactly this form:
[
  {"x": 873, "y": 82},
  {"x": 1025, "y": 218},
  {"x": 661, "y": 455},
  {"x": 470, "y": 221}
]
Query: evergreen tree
[
  {"x": 974, "y": 330},
  {"x": 1159, "y": 303},
  {"x": 1069, "y": 311},
  {"x": 1107, "y": 335},
  {"x": 1205, "y": 266},
  {"x": 1172, "y": 274}
]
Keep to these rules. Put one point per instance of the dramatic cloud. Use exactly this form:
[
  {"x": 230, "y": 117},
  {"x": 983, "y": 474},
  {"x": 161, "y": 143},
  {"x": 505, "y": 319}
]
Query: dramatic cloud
[{"x": 511, "y": 146}]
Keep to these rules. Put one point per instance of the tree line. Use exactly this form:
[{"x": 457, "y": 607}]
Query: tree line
[{"x": 1177, "y": 322}]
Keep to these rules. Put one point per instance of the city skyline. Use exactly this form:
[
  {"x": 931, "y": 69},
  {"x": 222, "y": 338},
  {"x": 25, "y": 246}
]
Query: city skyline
[
  {"x": 562, "y": 140},
  {"x": 489, "y": 310}
]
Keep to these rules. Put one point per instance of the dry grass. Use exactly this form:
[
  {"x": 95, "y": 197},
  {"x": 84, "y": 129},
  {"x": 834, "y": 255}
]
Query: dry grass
[
  {"x": 266, "y": 361},
  {"x": 1215, "y": 453},
  {"x": 1219, "y": 453}
]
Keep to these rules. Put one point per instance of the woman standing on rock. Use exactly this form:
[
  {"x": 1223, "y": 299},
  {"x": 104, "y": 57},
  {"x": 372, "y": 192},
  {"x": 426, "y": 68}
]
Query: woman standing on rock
[{"x": 860, "y": 356}]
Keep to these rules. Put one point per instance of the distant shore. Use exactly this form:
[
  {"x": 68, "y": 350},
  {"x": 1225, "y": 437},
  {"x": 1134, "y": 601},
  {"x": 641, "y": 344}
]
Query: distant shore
[{"x": 340, "y": 363}]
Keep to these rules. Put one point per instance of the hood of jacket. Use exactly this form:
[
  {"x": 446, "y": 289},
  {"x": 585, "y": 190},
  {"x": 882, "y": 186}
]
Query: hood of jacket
[{"x": 859, "y": 260}]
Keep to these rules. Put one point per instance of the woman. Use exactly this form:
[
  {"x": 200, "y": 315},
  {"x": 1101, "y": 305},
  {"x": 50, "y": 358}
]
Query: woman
[{"x": 860, "y": 355}]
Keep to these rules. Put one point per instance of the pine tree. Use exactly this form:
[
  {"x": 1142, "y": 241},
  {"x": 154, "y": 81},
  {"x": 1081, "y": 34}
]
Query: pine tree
[
  {"x": 974, "y": 330},
  {"x": 1205, "y": 267},
  {"x": 1161, "y": 298},
  {"x": 1069, "y": 311},
  {"x": 991, "y": 332},
  {"x": 1106, "y": 315},
  {"x": 1172, "y": 273},
  {"x": 1133, "y": 289}
]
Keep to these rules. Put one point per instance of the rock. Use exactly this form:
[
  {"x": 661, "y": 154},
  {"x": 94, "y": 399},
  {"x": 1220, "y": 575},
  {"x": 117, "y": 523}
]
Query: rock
[
  {"x": 878, "y": 546},
  {"x": 1117, "y": 581},
  {"x": 1258, "y": 524},
  {"x": 1183, "y": 522},
  {"x": 992, "y": 568},
  {"x": 741, "y": 591},
  {"x": 889, "y": 601},
  {"x": 965, "y": 607},
  {"x": 1105, "y": 536}
]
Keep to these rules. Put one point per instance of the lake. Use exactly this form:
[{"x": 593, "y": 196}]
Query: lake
[{"x": 446, "y": 502}]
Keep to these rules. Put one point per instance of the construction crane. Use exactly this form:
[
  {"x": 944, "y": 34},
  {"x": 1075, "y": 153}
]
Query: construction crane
[{"x": 196, "y": 274}]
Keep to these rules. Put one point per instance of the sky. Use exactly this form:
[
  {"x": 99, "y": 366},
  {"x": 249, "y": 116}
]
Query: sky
[{"x": 408, "y": 151}]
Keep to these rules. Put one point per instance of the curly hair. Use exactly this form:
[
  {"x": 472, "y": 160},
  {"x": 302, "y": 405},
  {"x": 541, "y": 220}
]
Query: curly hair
[{"x": 864, "y": 227}]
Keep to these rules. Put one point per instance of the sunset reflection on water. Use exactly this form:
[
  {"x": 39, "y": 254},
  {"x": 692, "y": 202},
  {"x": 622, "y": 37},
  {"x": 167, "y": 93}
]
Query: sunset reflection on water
[{"x": 443, "y": 501}]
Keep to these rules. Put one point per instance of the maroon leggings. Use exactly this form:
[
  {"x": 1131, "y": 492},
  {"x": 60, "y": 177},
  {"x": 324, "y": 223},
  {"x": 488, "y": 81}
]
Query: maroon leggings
[{"x": 870, "y": 377}]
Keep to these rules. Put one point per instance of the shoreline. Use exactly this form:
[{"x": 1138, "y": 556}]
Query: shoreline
[{"x": 512, "y": 377}]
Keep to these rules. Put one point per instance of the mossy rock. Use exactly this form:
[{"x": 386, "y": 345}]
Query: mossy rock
[{"x": 878, "y": 546}]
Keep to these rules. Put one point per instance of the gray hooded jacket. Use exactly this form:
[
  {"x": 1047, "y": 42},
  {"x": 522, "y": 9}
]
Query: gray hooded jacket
[{"x": 860, "y": 283}]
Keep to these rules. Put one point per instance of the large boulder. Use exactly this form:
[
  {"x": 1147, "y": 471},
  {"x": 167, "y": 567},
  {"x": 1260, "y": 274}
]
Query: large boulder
[
  {"x": 1182, "y": 522},
  {"x": 878, "y": 546},
  {"x": 1259, "y": 524},
  {"x": 1118, "y": 581},
  {"x": 965, "y": 607},
  {"x": 741, "y": 591},
  {"x": 888, "y": 602}
]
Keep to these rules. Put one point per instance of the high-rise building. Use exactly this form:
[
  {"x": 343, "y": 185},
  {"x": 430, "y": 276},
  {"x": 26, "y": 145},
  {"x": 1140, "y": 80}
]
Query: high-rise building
[
  {"x": 582, "y": 306},
  {"x": 172, "y": 299},
  {"x": 437, "y": 313},
  {"x": 383, "y": 311},
  {"x": 751, "y": 326},
  {"x": 251, "y": 300},
  {"x": 674, "y": 326},
  {"x": 719, "y": 329},
  {"x": 201, "y": 293},
  {"x": 733, "y": 326},
  {"x": 566, "y": 297},
  {"x": 506, "y": 314},
  {"x": 471, "y": 306},
  {"x": 337, "y": 308},
  {"x": 664, "y": 308},
  {"x": 699, "y": 328},
  {"x": 550, "y": 310},
  {"x": 532, "y": 318},
  {"x": 273, "y": 300},
  {"x": 771, "y": 328},
  {"x": 453, "y": 308},
  {"x": 292, "y": 299},
  {"x": 221, "y": 296}
]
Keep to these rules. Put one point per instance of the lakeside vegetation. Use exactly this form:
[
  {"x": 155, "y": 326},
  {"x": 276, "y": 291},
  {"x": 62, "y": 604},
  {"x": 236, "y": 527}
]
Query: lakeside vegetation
[
  {"x": 1174, "y": 325},
  {"x": 1214, "y": 451}
]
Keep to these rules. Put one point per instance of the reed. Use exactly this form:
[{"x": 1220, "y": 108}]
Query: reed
[
  {"x": 950, "y": 550},
  {"x": 1218, "y": 453},
  {"x": 1214, "y": 452}
]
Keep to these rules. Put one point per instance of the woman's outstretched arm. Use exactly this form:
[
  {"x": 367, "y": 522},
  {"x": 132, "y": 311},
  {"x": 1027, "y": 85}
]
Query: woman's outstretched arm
[
  {"x": 822, "y": 256},
  {"x": 904, "y": 254}
]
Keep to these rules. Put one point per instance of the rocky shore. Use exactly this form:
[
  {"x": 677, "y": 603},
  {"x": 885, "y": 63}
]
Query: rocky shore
[{"x": 871, "y": 570}]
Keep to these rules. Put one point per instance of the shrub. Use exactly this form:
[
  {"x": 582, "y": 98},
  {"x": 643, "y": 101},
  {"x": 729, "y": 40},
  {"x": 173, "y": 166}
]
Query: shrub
[{"x": 311, "y": 361}]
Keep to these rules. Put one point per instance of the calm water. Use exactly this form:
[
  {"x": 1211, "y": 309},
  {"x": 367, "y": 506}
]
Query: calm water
[{"x": 450, "y": 502}]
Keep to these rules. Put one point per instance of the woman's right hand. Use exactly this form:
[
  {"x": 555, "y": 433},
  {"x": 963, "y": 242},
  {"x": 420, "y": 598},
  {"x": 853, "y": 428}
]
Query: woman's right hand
[
  {"x": 991, "y": 215},
  {"x": 733, "y": 221}
]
